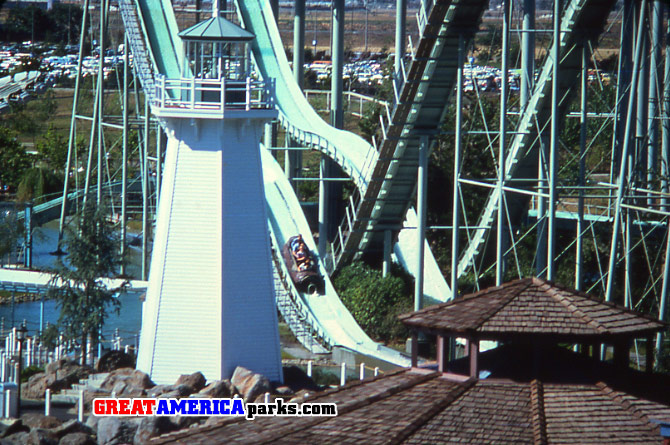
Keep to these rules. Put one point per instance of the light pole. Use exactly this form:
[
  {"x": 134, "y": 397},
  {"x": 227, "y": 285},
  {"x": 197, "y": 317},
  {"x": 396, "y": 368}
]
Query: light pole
[{"x": 20, "y": 336}]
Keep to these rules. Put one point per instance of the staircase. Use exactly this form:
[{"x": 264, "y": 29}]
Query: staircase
[
  {"x": 141, "y": 55},
  {"x": 90, "y": 384},
  {"x": 421, "y": 98}
]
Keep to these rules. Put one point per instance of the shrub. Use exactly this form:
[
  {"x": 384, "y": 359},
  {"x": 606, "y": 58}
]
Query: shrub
[
  {"x": 374, "y": 301},
  {"x": 30, "y": 371}
]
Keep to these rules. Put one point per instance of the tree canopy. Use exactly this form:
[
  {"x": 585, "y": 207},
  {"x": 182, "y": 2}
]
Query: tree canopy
[
  {"x": 61, "y": 24},
  {"x": 11, "y": 232},
  {"x": 92, "y": 247},
  {"x": 13, "y": 159}
]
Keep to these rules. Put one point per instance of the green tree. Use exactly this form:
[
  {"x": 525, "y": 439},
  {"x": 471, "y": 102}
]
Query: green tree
[
  {"x": 52, "y": 147},
  {"x": 49, "y": 337},
  {"x": 26, "y": 23},
  {"x": 21, "y": 120},
  {"x": 36, "y": 183},
  {"x": 65, "y": 23},
  {"x": 13, "y": 159},
  {"x": 11, "y": 232},
  {"x": 92, "y": 250}
]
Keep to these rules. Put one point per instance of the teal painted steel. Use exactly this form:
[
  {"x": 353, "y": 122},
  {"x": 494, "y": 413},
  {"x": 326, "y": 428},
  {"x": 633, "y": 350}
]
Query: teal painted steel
[
  {"x": 421, "y": 108},
  {"x": 160, "y": 26},
  {"x": 337, "y": 51},
  {"x": 354, "y": 155},
  {"x": 582, "y": 21},
  {"x": 299, "y": 42}
]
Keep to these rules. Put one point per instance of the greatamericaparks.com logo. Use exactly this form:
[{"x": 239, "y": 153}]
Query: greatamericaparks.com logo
[{"x": 208, "y": 407}]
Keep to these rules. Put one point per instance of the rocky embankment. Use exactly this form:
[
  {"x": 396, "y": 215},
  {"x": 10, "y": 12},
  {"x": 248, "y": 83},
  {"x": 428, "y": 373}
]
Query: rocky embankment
[
  {"x": 19, "y": 298},
  {"x": 128, "y": 382}
]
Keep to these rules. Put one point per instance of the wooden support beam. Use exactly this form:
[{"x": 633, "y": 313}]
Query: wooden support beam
[
  {"x": 415, "y": 349},
  {"x": 649, "y": 350},
  {"x": 474, "y": 355},
  {"x": 622, "y": 354},
  {"x": 442, "y": 353}
]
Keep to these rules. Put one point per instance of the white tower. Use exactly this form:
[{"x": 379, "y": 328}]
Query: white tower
[{"x": 210, "y": 302}]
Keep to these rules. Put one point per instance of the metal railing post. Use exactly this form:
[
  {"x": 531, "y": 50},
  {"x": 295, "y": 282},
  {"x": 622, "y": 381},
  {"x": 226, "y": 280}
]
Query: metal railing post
[
  {"x": 193, "y": 93},
  {"x": 223, "y": 94},
  {"x": 248, "y": 95}
]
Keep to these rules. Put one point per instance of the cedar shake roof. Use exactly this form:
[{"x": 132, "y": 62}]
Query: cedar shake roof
[
  {"x": 419, "y": 406},
  {"x": 531, "y": 306}
]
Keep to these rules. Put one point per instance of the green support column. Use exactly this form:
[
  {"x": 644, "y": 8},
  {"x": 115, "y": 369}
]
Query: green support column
[
  {"x": 665, "y": 123},
  {"x": 579, "y": 248},
  {"x": 337, "y": 51},
  {"x": 329, "y": 193},
  {"x": 458, "y": 149},
  {"x": 400, "y": 33},
  {"x": 274, "y": 4},
  {"x": 72, "y": 138},
  {"x": 500, "y": 230},
  {"x": 527, "y": 52},
  {"x": 124, "y": 148},
  {"x": 323, "y": 207},
  {"x": 101, "y": 98},
  {"x": 623, "y": 167},
  {"x": 421, "y": 192},
  {"x": 293, "y": 159},
  {"x": 654, "y": 93},
  {"x": 145, "y": 193},
  {"x": 553, "y": 148},
  {"x": 299, "y": 41}
]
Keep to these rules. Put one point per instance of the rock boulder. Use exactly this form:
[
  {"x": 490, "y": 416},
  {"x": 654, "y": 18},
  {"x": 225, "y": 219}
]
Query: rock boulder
[
  {"x": 113, "y": 360},
  {"x": 196, "y": 381},
  {"x": 127, "y": 382},
  {"x": 152, "y": 427},
  {"x": 250, "y": 384},
  {"x": 77, "y": 439},
  {"x": 116, "y": 431},
  {"x": 58, "y": 375},
  {"x": 217, "y": 389}
]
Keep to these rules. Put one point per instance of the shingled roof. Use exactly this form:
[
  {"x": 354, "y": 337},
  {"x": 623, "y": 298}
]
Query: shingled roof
[
  {"x": 216, "y": 29},
  {"x": 531, "y": 306},
  {"x": 419, "y": 406}
]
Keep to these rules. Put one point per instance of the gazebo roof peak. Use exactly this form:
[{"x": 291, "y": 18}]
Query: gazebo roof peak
[{"x": 216, "y": 29}]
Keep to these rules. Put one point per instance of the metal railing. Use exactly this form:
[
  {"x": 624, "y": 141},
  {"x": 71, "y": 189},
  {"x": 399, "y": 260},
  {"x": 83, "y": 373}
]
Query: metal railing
[
  {"x": 338, "y": 244},
  {"x": 142, "y": 58},
  {"x": 212, "y": 95},
  {"x": 358, "y": 100}
]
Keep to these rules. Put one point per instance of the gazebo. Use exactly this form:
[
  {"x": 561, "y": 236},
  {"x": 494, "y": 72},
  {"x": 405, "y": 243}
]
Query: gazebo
[
  {"x": 534, "y": 314},
  {"x": 577, "y": 400}
]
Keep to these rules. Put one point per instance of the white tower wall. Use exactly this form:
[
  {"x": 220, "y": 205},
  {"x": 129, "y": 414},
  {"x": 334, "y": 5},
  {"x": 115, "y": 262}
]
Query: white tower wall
[{"x": 210, "y": 302}]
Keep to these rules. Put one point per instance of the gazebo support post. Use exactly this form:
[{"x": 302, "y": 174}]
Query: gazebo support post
[
  {"x": 649, "y": 352},
  {"x": 584, "y": 349},
  {"x": 415, "y": 349},
  {"x": 621, "y": 353},
  {"x": 474, "y": 353},
  {"x": 442, "y": 353}
]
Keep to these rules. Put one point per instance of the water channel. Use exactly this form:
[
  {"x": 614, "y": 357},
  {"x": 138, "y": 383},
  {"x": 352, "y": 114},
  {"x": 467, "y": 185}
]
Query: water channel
[{"x": 128, "y": 320}]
